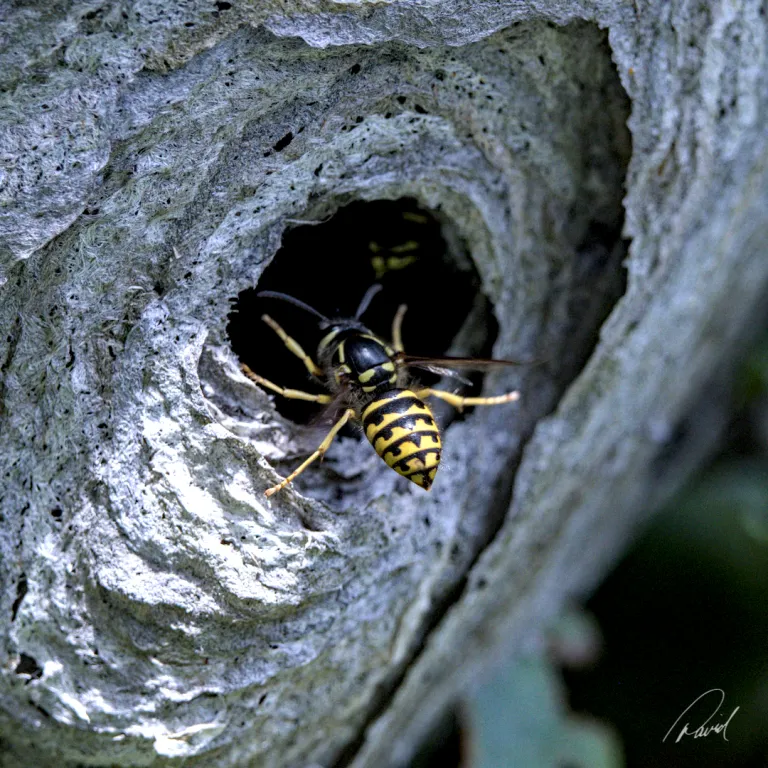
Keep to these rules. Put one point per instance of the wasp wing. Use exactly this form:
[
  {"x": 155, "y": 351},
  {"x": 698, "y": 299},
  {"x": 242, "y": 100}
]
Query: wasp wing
[
  {"x": 333, "y": 411},
  {"x": 443, "y": 363},
  {"x": 439, "y": 370}
]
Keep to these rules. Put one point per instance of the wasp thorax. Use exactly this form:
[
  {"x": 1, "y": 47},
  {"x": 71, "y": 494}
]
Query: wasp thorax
[
  {"x": 369, "y": 361},
  {"x": 358, "y": 359}
]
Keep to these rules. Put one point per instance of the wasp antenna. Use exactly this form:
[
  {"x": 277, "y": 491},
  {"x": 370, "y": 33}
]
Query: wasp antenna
[
  {"x": 369, "y": 294},
  {"x": 292, "y": 300}
]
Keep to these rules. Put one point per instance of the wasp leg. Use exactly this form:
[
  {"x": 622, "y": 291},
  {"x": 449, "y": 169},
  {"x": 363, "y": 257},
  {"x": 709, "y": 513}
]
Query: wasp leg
[
  {"x": 293, "y": 394},
  {"x": 294, "y": 347},
  {"x": 397, "y": 324},
  {"x": 460, "y": 403},
  {"x": 316, "y": 455}
]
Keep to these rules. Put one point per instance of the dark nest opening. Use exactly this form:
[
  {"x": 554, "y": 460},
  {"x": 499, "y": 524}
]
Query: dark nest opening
[{"x": 332, "y": 264}]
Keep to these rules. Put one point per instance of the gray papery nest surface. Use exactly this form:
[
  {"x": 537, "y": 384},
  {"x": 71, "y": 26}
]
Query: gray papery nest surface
[{"x": 602, "y": 164}]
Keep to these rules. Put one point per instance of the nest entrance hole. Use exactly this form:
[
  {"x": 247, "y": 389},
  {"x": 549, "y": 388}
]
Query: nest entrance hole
[{"x": 331, "y": 265}]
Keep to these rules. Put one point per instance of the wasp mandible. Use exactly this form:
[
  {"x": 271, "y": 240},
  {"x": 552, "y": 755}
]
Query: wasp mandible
[{"x": 368, "y": 378}]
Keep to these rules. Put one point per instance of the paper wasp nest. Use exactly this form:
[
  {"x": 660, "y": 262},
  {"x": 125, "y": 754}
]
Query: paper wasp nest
[{"x": 154, "y": 608}]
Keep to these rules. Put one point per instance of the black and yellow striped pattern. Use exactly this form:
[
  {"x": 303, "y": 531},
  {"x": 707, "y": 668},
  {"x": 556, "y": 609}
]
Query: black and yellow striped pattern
[
  {"x": 366, "y": 376},
  {"x": 402, "y": 430},
  {"x": 391, "y": 259}
]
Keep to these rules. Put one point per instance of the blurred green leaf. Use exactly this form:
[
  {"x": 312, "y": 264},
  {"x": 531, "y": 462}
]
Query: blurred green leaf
[
  {"x": 520, "y": 719},
  {"x": 753, "y": 379}
]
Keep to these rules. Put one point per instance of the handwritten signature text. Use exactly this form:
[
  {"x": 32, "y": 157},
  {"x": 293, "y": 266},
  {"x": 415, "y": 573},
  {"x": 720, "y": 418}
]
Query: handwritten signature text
[{"x": 705, "y": 729}]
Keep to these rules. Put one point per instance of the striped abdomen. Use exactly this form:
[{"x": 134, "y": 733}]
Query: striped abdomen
[{"x": 402, "y": 430}]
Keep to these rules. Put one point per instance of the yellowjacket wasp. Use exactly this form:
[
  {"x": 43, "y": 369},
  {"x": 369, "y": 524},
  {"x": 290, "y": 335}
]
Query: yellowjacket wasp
[
  {"x": 396, "y": 257},
  {"x": 368, "y": 377}
]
